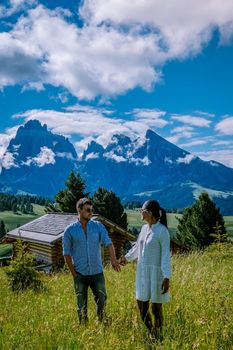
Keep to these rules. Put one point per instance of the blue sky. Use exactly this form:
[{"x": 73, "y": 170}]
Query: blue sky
[{"x": 95, "y": 68}]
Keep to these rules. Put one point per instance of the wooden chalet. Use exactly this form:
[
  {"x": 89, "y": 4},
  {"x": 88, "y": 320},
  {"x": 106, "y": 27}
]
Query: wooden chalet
[{"x": 44, "y": 237}]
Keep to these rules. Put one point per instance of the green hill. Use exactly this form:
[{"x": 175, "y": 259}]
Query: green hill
[
  {"x": 135, "y": 221},
  {"x": 12, "y": 220},
  {"x": 199, "y": 315}
]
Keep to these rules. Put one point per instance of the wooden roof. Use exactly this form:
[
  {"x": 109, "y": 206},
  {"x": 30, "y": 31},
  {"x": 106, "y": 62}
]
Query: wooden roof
[{"x": 50, "y": 227}]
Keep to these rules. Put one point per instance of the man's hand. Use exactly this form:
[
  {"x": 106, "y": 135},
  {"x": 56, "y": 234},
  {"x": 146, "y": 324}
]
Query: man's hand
[
  {"x": 122, "y": 261},
  {"x": 115, "y": 264},
  {"x": 165, "y": 285}
]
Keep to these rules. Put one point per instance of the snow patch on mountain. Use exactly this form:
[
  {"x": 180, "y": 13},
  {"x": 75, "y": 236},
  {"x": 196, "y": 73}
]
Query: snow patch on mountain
[
  {"x": 197, "y": 190},
  {"x": 187, "y": 159}
]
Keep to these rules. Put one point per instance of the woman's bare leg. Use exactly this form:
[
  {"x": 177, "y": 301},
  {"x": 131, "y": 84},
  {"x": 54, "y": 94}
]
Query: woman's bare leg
[
  {"x": 157, "y": 310},
  {"x": 145, "y": 314}
]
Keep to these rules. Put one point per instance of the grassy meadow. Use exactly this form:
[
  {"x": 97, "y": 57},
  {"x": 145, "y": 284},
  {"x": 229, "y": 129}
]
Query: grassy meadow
[
  {"x": 135, "y": 221},
  {"x": 199, "y": 315},
  {"x": 12, "y": 220}
]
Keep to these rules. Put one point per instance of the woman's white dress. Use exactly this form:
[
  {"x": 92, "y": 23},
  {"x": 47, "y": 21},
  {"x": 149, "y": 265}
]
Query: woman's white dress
[{"x": 152, "y": 251}]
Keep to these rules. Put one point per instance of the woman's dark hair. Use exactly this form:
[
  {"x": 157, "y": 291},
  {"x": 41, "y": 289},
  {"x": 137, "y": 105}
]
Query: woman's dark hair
[{"x": 156, "y": 210}]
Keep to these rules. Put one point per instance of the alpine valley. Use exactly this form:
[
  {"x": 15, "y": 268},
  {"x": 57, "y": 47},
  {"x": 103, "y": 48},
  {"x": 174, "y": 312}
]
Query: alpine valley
[{"x": 38, "y": 162}]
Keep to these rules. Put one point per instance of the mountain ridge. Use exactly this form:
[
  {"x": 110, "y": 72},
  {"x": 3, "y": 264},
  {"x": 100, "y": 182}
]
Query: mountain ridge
[{"x": 38, "y": 161}]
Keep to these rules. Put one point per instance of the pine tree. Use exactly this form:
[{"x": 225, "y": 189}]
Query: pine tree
[
  {"x": 197, "y": 223},
  {"x": 68, "y": 197},
  {"x": 106, "y": 203},
  {"x": 2, "y": 229},
  {"x": 14, "y": 208}
]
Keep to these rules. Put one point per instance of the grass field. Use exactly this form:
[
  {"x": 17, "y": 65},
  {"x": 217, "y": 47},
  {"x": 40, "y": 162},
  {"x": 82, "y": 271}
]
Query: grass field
[
  {"x": 12, "y": 220},
  {"x": 5, "y": 250},
  {"x": 135, "y": 221},
  {"x": 199, "y": 315}
]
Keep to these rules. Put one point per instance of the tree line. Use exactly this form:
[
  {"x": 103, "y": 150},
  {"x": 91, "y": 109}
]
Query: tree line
[
  {"x": 197, "y": 228},
  {"x": 22, "y": 203}
]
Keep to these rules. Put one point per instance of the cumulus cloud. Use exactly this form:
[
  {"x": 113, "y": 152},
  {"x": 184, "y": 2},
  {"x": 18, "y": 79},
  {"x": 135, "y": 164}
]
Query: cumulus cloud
[
  {"x": 113, "y": 156},
  {"x": 225, "y": 127},
  {"x": 46, "y": 156},
  {"x": 152, "y": 117},
  {"x": 5, "y": 139},
  {"x": 87, "y": 61},
  {"x": 222, "y": 156},
  {"x": 181, "y": 129},
  {"x": 15, "y": 6},
  {"x": 89, "y": 123},
  {"x": 119, "y": 47},
  {"x": 192, "y": 120},
  {"x": 8, "y": 161},
  {"x": 92, "y": 155},
  {"x": 184, "y": 28},
  {"x": 193, "y": 143}
]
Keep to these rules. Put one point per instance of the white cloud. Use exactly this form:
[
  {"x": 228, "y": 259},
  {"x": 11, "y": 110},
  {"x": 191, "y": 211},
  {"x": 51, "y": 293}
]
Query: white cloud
[
  {"x": 5, "y": 139},
  {"x": 92, "y": 155},
  {"x": 15, "y": 6},
  {"x": 221, "y": 156},
  {"x": 192, "y": 120},
  {"x": 205, "y": 114},
  {"x": 193, "y": 143},
  {"x": 94, "y": 123},
  {"x": 46, "y": 156},
  {"x": 225, "y": 127},
  {"x": 152, "y": 117},
  {"x": 44, "y": 48},
  {"x": 181, "y": 129},
  {"x": 8, "y": 161},
  {"x": 173, "y": 139},
  {"x": 119, "y": 47},
  {"x": 187, "y": 159},
  {"x": 115, "y": 157},
  {"x": 67, "y": 155},
  {"x": 184, "y": 28},
  {"x": 224, "y": 143}
]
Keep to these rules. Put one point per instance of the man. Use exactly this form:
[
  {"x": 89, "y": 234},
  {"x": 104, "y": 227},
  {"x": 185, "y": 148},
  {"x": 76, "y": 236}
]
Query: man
[{"x": 81, "y": 250}]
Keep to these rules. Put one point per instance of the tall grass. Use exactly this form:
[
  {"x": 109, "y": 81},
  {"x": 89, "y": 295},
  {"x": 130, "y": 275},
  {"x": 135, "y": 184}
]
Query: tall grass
[{"x": 199, "y": 315}]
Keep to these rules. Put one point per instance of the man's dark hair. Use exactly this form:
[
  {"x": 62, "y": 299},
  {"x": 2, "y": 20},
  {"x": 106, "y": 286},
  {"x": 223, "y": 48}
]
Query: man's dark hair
[{"x": 82, "y": 201}]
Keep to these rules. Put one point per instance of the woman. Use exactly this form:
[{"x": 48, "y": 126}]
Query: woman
[{"x": 152, "y": 251}]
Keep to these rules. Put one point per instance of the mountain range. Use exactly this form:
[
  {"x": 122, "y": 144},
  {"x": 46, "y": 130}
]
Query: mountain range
[{"x": 38, "y": 162}]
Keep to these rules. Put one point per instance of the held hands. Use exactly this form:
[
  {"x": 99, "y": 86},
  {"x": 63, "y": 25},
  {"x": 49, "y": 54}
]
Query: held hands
[
  {"x": 122, "y": 261},
  {"x": 116, "y": 265},
  {"x": 165, "y": 285}
]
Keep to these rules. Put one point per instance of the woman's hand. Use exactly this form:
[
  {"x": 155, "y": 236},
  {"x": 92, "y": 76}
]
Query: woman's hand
[
  {"x": 165, "y": 285},
  {"x": 122, "y": 261}
]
